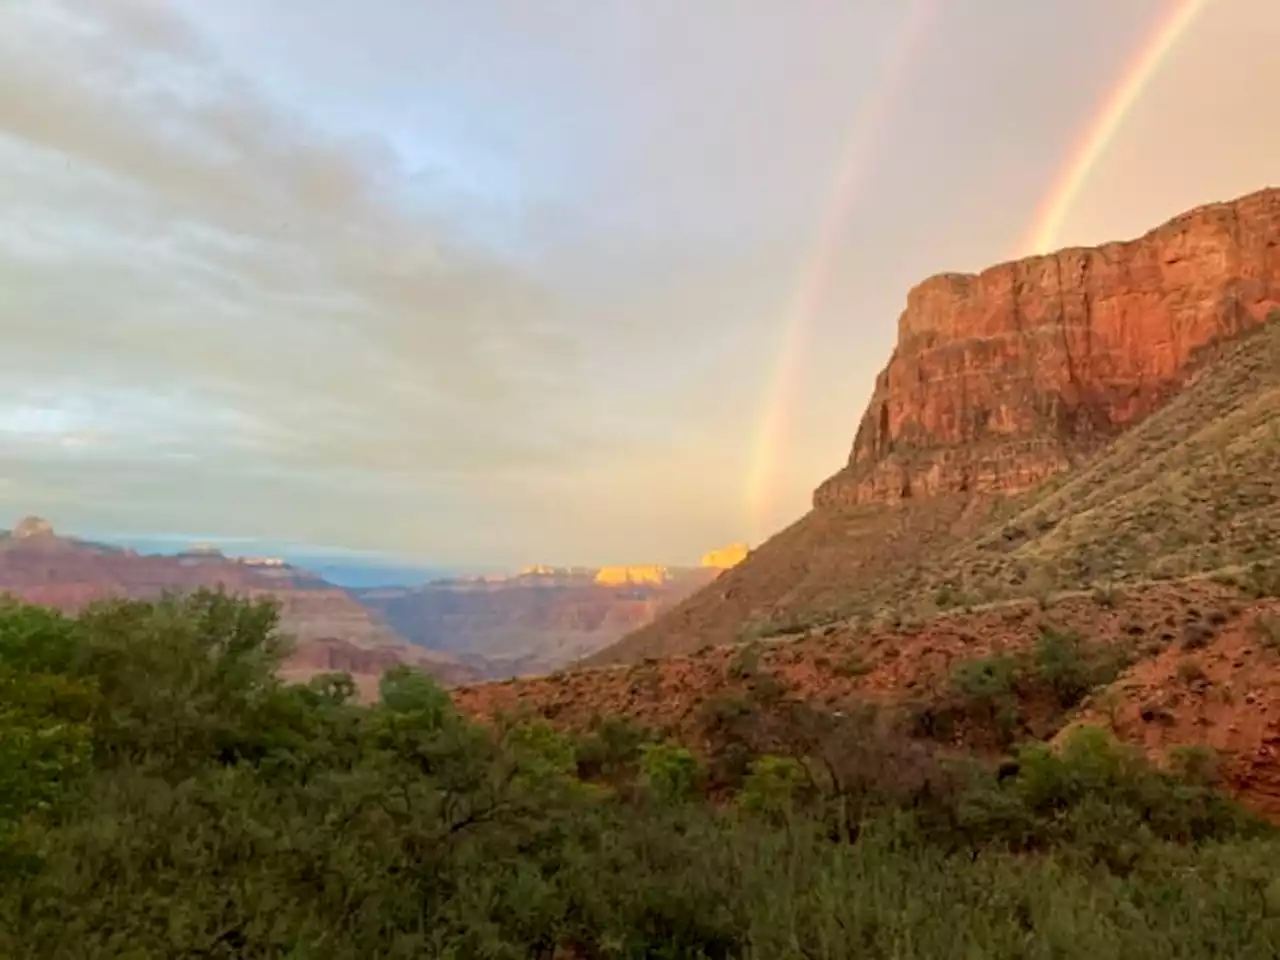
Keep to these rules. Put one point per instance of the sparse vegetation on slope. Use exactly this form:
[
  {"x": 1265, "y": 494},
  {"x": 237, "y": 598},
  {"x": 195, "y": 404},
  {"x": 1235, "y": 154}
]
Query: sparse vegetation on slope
[
  {"x": 1191, "y": 490},
  {"x": 986, "y": 679},
  {"x": 164, "y": 795}
]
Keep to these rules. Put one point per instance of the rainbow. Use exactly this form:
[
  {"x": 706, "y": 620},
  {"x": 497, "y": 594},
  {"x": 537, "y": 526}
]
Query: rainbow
[
  {"x": 816, "y": 273},
  {"x": 1043, "y": 235}
]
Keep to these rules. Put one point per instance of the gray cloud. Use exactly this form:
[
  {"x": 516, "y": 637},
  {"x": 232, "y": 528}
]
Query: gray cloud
[{"x": 175, "y": 233}]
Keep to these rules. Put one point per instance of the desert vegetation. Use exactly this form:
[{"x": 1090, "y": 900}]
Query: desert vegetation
[{"x": 163, "y": 794}]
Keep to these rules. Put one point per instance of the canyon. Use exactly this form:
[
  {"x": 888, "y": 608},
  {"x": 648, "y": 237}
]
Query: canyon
[
  {"x": 545, "y": 617},
  {"x": 461, "y": 630}
]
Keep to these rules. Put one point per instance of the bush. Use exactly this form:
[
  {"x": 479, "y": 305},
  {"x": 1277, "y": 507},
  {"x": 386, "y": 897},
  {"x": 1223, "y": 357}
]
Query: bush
[
  {"x": 851, "y": 665},
  {"x": 671, "y": 773},
  {"x": 610, "y": 751},
  {"x": 1059, "y": 659},
  {"x": 985, "y": 687},
  {"x": 286, "y": 820},
  {"x": 774, "y": 786}
]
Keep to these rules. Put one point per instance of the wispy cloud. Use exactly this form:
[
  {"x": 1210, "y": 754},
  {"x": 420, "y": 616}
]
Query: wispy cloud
[
  {"x": 176, "y": 241},
  {"x": 489, "y": 281}
]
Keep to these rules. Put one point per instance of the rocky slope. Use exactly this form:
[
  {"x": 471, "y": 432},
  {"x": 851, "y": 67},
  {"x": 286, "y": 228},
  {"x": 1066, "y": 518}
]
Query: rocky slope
[
  {"x": 999, "y": 381},
  {"x": 332, "y": 631}
]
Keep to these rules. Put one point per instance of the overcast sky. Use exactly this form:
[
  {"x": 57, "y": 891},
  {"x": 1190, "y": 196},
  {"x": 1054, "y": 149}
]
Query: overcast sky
[{"x": 497, "y": 282}]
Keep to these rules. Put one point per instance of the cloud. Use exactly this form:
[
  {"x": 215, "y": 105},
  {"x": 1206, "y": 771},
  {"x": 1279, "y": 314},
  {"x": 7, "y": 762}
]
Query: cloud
[{"x": 269, "y": 292}]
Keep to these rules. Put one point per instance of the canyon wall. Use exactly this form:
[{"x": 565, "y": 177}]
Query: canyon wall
[
  {"x": 1003, "y": 378},
  {"x": 536, "y": 622}
]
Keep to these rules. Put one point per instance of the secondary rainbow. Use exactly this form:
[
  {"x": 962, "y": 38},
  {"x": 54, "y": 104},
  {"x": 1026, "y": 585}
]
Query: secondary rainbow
[
  {"x": 1051, "y": 214},
  {"x": 816, "y": 270}
]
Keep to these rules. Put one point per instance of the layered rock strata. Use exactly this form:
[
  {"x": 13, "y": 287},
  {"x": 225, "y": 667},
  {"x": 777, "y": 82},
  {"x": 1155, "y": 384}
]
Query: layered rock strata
[{"x": 1004, "y": 378}]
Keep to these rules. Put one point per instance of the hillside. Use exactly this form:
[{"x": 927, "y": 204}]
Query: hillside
[
  {"x": 538, "y": 621},
  {"x": 331, "y": 630},
  {"x": 1157, "y": 564},
  {"x": 1019, "y": 376}
]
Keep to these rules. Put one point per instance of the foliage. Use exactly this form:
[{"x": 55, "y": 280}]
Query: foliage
[
  {"x": 163, "y": 795},
  {"x": 1060, "y": 667},
  {"x": 670, "y": 772},
  {"x": 986, "y": 686},
  {"x": 610, "y": 751},
  {"x": 774, "y": 785}
]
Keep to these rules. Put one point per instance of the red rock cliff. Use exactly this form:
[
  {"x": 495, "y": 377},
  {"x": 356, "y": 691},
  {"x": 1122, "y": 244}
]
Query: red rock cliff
[{"x": 1003, "y": 378}]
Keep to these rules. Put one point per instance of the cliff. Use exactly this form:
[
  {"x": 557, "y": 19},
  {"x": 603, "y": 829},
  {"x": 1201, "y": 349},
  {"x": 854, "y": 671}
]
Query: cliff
[
  {"x": 999, "y": 381},
  {"x": 616, "y": 576},
  {"x": 1004, "y": 378}
]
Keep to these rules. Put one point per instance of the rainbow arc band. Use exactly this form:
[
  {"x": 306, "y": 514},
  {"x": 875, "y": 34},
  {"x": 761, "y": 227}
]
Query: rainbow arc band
[{"x": 769, "y": 442}]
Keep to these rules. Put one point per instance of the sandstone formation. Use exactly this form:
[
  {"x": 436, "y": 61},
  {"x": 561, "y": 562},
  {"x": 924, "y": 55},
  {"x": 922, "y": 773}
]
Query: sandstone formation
[
  {"x": 617, "y": 576},
  {"x": 539, "y": 621},
  {"x": 1004, "y": 378},
  {"x": 726, "y": 557}
]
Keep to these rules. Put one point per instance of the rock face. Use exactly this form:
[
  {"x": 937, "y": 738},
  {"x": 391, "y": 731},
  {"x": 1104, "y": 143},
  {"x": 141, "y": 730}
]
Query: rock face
[
  {"x": 726, "y": 557},
  {"x": 616, "y": 576},
  {"x": 1004, "y": 378}
]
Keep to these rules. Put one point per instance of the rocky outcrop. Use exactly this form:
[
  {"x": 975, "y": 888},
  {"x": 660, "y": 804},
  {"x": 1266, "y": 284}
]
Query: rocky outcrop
[
  {"x": 726, "y": 557},
  {"x": 1004, "y": 378},
  {"x": 32, "y": 527},
  {"x": 617, "y": 576}
]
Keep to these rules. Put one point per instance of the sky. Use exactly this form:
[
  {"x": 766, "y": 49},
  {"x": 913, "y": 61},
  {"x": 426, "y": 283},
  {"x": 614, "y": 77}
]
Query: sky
[{"x": 486, "y": 282}]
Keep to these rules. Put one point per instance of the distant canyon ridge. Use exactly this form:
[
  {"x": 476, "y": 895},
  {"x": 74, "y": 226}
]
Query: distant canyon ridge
[
  {"x": 460, "y": 630},
  {"x": 544, "y": 617}
]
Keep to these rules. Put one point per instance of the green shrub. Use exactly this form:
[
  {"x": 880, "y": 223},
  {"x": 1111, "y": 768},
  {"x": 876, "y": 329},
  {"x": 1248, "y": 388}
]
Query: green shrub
[
  {"x": 611, "y": 750},
  {"x": 773, "y": 786},
  {"x": 671, "y": 773},
  {"x": 986, "y": 689},
  {"x": 1059, "y": 658},
  {"x": 286, "y": 820}
]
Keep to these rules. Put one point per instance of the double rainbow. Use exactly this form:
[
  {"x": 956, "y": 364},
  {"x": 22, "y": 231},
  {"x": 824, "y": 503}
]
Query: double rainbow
[{"x": 769, "y": 444}]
